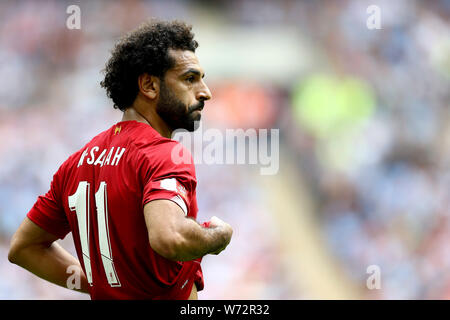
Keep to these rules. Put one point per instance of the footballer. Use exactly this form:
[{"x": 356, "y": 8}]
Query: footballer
[{"x": 131, "y": 209}]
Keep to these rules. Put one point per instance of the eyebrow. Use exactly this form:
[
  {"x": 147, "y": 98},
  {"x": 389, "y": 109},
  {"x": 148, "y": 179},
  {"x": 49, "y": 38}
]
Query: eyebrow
[{"x": 194, "y": 71}]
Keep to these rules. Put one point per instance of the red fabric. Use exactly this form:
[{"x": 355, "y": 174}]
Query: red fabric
[
  {"x": 206, "y": 224},
  {"x": 132, "y": 173}
]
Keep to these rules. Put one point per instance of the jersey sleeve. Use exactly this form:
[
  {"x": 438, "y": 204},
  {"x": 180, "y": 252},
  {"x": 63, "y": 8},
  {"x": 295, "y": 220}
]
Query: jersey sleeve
[
  {"x": 48, "y": 212},
  {"x": 168, "y": 178}
]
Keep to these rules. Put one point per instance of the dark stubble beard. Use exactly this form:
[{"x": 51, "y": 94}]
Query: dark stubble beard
[{"x": 174, "y": 112}]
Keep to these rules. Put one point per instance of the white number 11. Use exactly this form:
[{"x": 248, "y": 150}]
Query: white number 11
[{"x": 79, "y": 202}]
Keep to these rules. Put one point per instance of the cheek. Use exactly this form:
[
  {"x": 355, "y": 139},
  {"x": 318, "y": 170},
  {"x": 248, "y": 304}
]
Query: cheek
[
  {"x": 188, "y": 100},
  {"x": 185, "y": 95},
  {"x": 188, "y": 93},
  {"x": 189, "y": 96}
]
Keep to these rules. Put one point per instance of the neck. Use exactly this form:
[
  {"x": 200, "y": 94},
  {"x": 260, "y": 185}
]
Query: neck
[{"x": 150, "y": 117}]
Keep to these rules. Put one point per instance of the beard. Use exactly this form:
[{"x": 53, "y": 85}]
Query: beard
[{"x": 175, "y": 113}]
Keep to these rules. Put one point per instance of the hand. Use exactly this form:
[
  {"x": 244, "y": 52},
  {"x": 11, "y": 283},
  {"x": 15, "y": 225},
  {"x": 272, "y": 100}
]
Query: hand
[{"x": 225, "y": 230}]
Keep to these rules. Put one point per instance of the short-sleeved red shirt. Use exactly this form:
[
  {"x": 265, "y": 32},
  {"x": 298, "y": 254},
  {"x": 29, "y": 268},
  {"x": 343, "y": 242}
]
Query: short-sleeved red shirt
[{"x": 99, "y": 193}]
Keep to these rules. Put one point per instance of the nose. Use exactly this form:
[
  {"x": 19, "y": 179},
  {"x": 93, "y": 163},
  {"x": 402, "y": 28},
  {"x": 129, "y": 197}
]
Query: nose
[{"x": 204, "y": 93}]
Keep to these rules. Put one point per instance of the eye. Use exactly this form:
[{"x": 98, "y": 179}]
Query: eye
[{"x": 190, "y": 79}]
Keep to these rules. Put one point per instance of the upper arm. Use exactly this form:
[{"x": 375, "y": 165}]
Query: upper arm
[
  {"x": 168, "y": 196},
  {"x": 164, "y": 219},
  {"x": 27, "y": 235}
]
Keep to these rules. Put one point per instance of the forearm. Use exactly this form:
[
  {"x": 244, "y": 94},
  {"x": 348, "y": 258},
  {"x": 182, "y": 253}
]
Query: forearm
[
  {"x": 51, "y": 263},
  {"x": 180, "y": 238},
  {"x": 196, "y": 241}
]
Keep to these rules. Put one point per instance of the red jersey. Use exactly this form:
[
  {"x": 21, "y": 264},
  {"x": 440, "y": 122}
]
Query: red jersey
[{"x": 99, "y": 194}]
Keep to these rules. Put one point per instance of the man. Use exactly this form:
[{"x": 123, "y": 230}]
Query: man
[{"x": 130, "y": 208}]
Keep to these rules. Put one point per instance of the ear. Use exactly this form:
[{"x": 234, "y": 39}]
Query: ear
[{"x": 149, "y": 85}]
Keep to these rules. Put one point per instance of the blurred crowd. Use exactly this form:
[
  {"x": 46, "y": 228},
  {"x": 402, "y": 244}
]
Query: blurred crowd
[
  {"x": 372, "y": 134},
  {"x": 367, "y": 120}
]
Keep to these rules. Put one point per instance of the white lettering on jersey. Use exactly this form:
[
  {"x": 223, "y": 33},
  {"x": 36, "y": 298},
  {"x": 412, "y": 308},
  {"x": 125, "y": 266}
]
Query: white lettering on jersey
[
  {"x": 108, "y": 157},
  {"x": 102, "y": 159},
  {"x": 117, "y": 156},
  {"x": 92, "y": 158},
  {"x": 83, "y": 155},
  {"x": 99, "y": 159}
]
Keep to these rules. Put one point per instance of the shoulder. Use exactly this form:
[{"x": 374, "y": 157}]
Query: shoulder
[
  {"x": 164, "y": 154},
  {"x": 66, "y": 168}
]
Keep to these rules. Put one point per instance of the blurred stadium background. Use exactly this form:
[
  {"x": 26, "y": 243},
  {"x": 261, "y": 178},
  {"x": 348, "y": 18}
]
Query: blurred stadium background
[{"x": 364, "y": 137}]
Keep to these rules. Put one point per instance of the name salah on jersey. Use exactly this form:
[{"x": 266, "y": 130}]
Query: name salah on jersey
[{"x": 106, "y": 157}]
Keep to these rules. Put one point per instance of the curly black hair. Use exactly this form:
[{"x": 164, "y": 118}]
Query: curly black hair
[{"x": 144, "y": 50}]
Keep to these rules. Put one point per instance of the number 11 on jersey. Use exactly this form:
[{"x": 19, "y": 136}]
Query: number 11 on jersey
[{"x": 79, "y": 202}]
